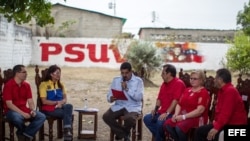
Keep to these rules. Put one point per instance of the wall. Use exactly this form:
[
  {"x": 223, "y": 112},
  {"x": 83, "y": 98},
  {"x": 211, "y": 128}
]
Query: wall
[
  {"x": 108, "y": 53},
  {"x": 15, "y": 44},
  {"x": 18, "y": 47}
]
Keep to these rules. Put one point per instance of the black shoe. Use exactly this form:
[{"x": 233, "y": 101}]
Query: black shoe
[
  {"x": 118, "y": 138},
  {"x": 127, "y": 137},
  {"x": 21, "y": 137},
  {"x": 67, "y": 134}
]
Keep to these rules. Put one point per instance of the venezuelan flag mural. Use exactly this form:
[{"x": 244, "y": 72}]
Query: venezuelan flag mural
[{"x": 179, "y": 52}]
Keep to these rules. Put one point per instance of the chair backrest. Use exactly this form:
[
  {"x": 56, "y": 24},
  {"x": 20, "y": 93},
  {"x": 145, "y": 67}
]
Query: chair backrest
[
  {"x": 185, "y": 77},
  {"x": 8, "y": 74},
  {"x": 243, "y": 86},
  {"x": 1, "y": 94},
  {"x": 38, "y": 79},
  {"x": 209, "y": 85}
]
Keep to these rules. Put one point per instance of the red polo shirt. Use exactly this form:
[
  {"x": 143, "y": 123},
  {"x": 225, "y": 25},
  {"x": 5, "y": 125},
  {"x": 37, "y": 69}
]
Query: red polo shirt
[
  {"x": 229, "y": 108},
  {"x": 17, "y": 94},
  {"x": 168, "y": 92}
]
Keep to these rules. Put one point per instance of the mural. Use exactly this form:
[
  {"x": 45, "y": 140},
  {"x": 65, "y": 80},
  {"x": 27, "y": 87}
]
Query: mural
[{"x": 179, "y": 52}]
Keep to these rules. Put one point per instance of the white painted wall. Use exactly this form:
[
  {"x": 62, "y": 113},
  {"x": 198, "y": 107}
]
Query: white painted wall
[
  {"x": 213, "y": 54},
  {"x": 15, "y": 45},
  {"x": 18, "y": 47}
]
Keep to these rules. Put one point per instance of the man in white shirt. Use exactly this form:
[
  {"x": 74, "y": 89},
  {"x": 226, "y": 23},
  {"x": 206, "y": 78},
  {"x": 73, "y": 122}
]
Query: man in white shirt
[{"x": 133, "y": 88}]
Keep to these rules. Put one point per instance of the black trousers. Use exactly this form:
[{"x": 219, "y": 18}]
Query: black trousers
[
  {"x": 202, "y": 132},
  {"x": 110, "y": 118}
]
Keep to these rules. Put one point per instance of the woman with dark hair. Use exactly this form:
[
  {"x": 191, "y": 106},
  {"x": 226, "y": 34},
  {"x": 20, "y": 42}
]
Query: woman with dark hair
[{"x": 54, "y": 99}]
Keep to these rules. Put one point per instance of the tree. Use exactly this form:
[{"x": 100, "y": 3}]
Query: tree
[
  {"x": 22, "y": 11},
  {"x": 238, "y": 55},
  {"x": 64, "y": 27},
  {"x": 143, "y": 56},
  {"x": 243, "y": 18}
]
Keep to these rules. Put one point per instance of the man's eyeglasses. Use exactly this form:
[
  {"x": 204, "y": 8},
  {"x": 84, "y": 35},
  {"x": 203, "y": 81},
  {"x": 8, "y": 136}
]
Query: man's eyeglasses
[{"x": 192, "y": 78}]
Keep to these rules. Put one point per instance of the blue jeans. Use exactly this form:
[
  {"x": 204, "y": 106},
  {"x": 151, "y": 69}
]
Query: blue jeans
[
  {"x": 156, "y": 128},
  {"x": 65, "y": 113},
  {"x": 18, "y": 121}
]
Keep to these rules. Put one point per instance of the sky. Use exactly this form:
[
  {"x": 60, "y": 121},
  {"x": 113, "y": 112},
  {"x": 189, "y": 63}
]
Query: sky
[{"x": 188, "y": 14}]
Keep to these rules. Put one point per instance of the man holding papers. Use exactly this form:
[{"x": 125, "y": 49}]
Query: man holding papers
[
  {"x": 126, "y": 94},
  {"x": 118, "y": 94}
]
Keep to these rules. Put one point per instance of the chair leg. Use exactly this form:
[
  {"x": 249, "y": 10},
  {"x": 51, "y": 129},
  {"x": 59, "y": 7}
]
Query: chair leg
[
  {"x": 111, "y": 135},
  {"x": 11, "y": 131},
  {"x": 72, "y": 130},
  {"x": 2, "y": 133},
  {"x": 50, "y": 122},
  {"x": 59, "y": 129},
  {"x": 139, "y": 129},
  {"x": 41, "y": 133},
  {"x": 153, "y": 138},
  {"x": 134, "y": 133}
]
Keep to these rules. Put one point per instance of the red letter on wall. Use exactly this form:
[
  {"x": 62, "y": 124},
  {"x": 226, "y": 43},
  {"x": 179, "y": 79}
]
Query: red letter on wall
[
  {"x": 50, "y": 49},
  {"x": 92, "y": 53},
  {"x": 72, "y": 49},
  {"x": 115, "y": 50}
]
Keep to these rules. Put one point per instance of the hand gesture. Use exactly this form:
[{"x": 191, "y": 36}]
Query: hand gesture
[
  {"x": 26, "y": 115},
  {"x": 33, "y": 113},
  {"x": 112, "y": 99},
  {"x": 59, "y": 104}
]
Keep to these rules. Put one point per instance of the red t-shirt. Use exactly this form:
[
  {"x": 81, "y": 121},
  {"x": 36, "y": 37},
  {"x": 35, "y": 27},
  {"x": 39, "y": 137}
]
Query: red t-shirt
[
  {"x": 190, "y": 101},
  {"x": 17, "y": 94},
  {"x": 168, "y": 92},
  {"x": 229, "y": 109}
]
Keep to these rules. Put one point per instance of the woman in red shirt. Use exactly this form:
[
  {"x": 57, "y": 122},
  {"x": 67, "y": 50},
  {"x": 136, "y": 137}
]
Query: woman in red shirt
[{"x": 192, "y": 106}]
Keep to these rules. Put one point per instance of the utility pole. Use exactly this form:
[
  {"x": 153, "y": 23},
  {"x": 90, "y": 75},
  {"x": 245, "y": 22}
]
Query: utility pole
[{"x": 112, "y": 5}]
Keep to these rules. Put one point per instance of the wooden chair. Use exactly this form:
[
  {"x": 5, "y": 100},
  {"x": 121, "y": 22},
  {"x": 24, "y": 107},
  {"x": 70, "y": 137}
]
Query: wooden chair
[
  {"x": 50, "y": 120},
  {"x": 136, "y": 130},
  {"x": 243, "y": 86},
  {"x": 3, "y": 119},
  {"x": 185, "y": 77},
  {"x": 8, "y": 74},
  {"x": 210, "y": 86}
]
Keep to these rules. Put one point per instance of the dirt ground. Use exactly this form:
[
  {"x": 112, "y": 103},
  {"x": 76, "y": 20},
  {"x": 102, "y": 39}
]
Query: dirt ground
[{"x": 93, "y": 84}]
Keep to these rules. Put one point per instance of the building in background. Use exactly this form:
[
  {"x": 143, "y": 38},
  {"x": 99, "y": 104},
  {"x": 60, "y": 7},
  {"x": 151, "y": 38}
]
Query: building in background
[
  {"x": 186, "y": 35},
  {"x": 75, "y": 22}
]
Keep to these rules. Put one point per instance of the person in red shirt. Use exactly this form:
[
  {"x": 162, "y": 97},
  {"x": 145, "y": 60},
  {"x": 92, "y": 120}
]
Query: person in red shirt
[
  {"x": 168, "y": 96},
  {"x": 16, "y": 94},
  {"x": 192, "y": 107},
  {"x": 229, "y": 109}
]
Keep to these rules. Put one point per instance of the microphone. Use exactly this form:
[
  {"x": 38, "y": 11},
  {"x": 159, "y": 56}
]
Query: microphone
[{"x": 124, "y": 85}]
